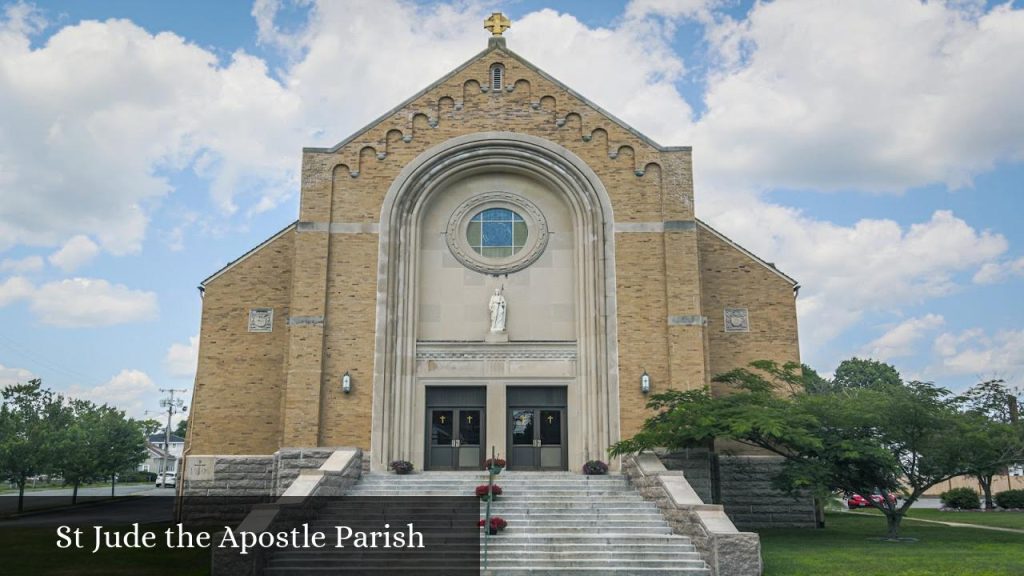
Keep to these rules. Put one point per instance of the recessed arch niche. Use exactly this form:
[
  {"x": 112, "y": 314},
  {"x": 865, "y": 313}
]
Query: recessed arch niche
[{"x": 397, "y": 422}]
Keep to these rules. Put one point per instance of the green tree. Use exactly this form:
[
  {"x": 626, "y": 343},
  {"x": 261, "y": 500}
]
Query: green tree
[
  {"x": 80, "y": 446},
  {"x": 996, "y": 442},
  {"x": 885, "y": 436},
  {"x": 865, "y": 373},
  {"x": 123, "y": 443},
  {"x": 182, "y": 428},
  {"x": 813, "y": 383},
  {"x": 30, "y": 422}
]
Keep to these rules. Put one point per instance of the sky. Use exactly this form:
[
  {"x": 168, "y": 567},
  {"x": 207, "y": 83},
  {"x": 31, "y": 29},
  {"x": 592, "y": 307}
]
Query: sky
[{"x": 872, "y": 149}]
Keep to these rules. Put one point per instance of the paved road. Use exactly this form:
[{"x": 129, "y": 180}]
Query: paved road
[
  {"x": 42, "y": 499},
  {"x": 111, "y": 513}
]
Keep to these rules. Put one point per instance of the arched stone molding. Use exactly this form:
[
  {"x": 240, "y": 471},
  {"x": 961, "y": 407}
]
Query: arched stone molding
[{"x": 596, "y": 393}]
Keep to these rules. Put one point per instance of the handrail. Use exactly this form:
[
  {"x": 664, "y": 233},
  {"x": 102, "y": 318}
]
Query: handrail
[{"x": 490, "y": 498}]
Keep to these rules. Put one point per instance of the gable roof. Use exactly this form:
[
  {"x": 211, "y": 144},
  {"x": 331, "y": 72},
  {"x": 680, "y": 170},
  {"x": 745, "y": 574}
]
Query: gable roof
[
  {"x": 769, "y": 265},
  {"x": 159, "y": 438},
  {"x": 252, "y": 251},
  {"x": 495, "y": 47}
]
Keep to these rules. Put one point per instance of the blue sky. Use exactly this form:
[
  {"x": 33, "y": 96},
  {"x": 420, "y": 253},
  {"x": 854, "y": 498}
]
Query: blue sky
[{"x": 872, "y": 150}]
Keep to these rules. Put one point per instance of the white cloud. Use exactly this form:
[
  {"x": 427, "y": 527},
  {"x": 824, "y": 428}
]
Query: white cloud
[
  {"x": 874, "y": 265},
  {"x": 977, "y": 353},
  {"x": 11, "y": 376},
  {"x": 97, "y": 116},
  {"x": 877, "y": 95},
  {"x": 80, "y": 302},
  {"x": 76, "y": 252},
  {"x": 993, "y": 272},
  {"x": 181, "y": 359},
  {"x": 13, "y": 289},
  {"x": 901, "y": 339},
  {"x": 23, "y": 265},
  {"x": 130, "y": 390}
]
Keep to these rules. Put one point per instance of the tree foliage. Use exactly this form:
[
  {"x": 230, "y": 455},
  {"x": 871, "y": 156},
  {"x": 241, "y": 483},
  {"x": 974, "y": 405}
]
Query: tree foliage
[
  {"x": 42, "y": 433},
  {"x": 865, "y": 373},
  {"x": 30, "y": 422},
  {"x": 996, "y": 441},
  {"x": 870, "y": 433}
]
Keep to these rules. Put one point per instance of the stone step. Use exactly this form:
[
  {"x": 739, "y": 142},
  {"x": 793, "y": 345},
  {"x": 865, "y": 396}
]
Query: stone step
[
  {"x": 516, "y": 571},
  {"x": 494, "y": 553}
]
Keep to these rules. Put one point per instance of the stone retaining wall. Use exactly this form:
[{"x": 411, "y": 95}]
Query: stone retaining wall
[
  {"x": 289, "y": 462},
  {"x": 745, "y": 488},
  {"x": 727, "y": 551},
  {"x": 695, "y": 463}
]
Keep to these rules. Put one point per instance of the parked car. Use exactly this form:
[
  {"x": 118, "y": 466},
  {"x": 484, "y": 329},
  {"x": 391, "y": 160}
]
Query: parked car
[
  {"x": 166, "y": 480},
  {"x": 858, "y": 501}
]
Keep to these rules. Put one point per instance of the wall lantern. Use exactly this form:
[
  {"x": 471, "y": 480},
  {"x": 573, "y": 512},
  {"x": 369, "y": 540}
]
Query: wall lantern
[
  {"x": 346, "y": 383},
  {"x": 645, "y": 382}
]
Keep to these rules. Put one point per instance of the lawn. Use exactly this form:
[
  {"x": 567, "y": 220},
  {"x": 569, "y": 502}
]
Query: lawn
[
  {"x": 846, "y": 548},
  {"x": 33, "y": 551},
  {"x": 997, "y": 519}
]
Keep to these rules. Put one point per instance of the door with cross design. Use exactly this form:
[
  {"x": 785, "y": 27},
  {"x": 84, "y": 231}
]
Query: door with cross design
[
  {"x": 537, "y": 438},
  {"x": 455, "y": 439}
]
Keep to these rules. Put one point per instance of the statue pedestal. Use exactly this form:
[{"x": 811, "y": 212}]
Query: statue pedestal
[{"x": 496, "y": 337}]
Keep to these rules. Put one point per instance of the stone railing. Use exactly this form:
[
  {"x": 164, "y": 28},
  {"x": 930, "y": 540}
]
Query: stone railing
[
  {"x": 299, "y": 503},
  {"x": 727, "y": 551}
]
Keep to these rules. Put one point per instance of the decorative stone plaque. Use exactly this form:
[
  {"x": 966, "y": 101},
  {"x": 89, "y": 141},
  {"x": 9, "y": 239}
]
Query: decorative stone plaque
[
  {"x": 200, "y": 468},
  {"x": 736, "y": 320},
  {"x": 261, "y": 320}
]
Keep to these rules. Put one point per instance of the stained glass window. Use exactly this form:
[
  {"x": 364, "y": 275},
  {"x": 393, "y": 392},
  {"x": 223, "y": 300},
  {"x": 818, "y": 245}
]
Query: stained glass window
[{"x": 497, "y": 233}]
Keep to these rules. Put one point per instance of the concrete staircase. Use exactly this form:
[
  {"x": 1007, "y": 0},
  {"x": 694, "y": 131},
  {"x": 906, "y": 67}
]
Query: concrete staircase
[{"x": 559, "y": 523}]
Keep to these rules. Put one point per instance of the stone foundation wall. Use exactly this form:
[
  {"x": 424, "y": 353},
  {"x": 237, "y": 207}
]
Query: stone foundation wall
[
  {"x": 232, "y": 476},
  {"x": 745, "y": 488},
  {"x": 695, "y": 463},
  {"x": 289, "y": 462}
]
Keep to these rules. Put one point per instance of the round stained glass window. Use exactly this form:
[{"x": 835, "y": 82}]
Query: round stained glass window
[{"x": 496, "y": 233}]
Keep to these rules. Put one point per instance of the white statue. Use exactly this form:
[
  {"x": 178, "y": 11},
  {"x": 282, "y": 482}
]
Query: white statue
[{"x": 497, "y": 307}]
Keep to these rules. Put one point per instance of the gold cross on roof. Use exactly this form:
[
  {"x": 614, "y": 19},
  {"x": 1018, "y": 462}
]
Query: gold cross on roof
[{"x": 497, "y": 23}]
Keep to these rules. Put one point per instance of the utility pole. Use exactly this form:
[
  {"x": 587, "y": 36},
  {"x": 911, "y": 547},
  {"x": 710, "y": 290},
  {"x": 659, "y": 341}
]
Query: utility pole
[{"x": 173, "y": 406}]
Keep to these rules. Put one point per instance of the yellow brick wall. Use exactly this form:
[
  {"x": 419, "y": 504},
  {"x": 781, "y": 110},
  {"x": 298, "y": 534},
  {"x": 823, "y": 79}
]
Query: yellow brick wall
[
  {"x": 293, "y": 383},
  {"x": 732, "y": 279},
  {"x": 236, "y": 406}
]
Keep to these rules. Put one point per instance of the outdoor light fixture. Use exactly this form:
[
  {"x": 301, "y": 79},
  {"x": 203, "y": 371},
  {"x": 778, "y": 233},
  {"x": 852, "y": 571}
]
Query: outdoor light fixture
[
  {"x": 645, "y": 382},
  {"x": 346, "y": 383}
]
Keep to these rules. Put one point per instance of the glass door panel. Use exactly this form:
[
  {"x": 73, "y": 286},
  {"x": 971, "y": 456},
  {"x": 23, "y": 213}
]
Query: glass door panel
[
  {"x": 469, "y": 445},
  {"x": 442, "y": 449},
  {"x": 522, "y": 427}
]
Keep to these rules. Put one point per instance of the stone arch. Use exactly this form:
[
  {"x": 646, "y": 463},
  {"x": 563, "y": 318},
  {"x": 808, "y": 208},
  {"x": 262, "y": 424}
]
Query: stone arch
[{"x": 596, "y": 392}]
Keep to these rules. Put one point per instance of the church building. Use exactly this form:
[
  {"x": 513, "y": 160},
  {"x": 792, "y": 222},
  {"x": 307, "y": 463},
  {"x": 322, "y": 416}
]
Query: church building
[{"x": 496, "y": 263}]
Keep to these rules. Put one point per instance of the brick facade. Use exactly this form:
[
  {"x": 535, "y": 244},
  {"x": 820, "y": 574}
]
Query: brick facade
[{"x": 258, "y": 392}]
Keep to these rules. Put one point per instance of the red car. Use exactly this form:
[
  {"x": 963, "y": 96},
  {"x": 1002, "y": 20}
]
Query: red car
[{"x": 858, "y": 501}]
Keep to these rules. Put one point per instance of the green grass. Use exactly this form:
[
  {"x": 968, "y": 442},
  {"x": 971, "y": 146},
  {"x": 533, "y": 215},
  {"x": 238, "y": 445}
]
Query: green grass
[
  {"x": 845, "y": 548},
  {"x": 33, "y": 551},
  {"x": 997, "y": 519}
]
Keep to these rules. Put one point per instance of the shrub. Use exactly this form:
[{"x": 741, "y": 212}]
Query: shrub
[
  {"x": 1010, "y": 499},
  {"x": 401, "y": 466},
  {"x": 962, "y": 498},
  {"x": 595, "y": 467}
]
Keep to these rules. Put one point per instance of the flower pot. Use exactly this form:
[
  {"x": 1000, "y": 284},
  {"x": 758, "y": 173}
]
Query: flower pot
[{"x": 493, "y": 531}]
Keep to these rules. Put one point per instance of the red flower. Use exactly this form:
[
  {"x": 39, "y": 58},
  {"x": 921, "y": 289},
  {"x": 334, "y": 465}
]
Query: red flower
[
  {"x": 497, "y": 523},
  {"x": 481, "y": 490}
]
